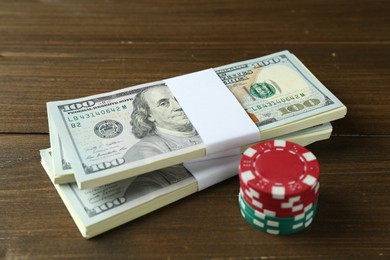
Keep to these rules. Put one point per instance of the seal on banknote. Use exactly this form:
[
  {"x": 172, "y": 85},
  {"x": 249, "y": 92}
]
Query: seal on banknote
[
  {"x": 108, "y": 128},
  {"x": 262, "y": 90}
]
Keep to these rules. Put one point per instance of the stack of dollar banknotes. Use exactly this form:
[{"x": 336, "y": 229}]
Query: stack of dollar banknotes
[{"x": 119, "y": 155}]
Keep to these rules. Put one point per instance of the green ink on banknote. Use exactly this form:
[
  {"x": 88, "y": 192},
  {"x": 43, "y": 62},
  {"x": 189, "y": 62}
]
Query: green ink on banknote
[{"x": 262, "y": 90}]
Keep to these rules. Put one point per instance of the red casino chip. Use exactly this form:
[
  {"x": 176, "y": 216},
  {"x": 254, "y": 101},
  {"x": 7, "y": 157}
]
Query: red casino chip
[
  {"x": 258, "y": 195},
  {"x": 279, "y": 169},
  {"x": 276, "y": 204},
  {"x": 282, "y": 210},
  {"x": 291, "y": 211}
]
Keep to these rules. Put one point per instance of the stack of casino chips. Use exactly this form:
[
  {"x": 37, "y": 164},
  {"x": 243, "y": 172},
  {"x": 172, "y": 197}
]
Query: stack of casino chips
[{"x": 279, "y": 182}]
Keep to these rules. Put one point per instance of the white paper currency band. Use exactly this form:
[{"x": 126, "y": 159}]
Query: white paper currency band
[
  {"x": 213, "y": 171},
  {"x": 215, "y": 113}
]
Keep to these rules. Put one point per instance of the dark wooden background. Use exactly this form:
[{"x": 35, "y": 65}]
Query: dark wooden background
[{"x": 55, "y": 49}]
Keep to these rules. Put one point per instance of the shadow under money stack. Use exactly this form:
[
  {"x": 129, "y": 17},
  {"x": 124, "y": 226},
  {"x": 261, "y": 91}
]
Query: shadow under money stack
[{"x": 279, "y": 183}]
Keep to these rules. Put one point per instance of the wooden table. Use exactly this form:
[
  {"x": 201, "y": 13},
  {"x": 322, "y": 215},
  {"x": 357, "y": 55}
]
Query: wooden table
[{"x": 53, "y": 50}]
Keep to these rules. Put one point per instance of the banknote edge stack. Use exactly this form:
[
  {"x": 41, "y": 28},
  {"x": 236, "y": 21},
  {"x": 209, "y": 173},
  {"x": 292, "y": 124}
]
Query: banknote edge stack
[{"x": 117, "y": 212}]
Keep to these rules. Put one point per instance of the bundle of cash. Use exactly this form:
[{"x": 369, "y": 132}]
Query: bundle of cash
[{"x": 119, "y": 155}]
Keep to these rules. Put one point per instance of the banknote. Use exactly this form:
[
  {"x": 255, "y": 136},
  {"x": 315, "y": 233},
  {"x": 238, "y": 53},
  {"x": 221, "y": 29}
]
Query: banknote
[
  {"x": 277, "y": 89},
  {"x": 64, "y": 172},
  {"x": 106, "y": 135},
  {"x": 61, "y": 164},
  {"x": 102, "y": 208},
  {"x": 124, "y": 133}
]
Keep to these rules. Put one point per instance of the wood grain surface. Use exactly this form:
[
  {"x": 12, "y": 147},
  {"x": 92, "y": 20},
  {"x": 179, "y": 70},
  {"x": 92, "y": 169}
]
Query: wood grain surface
[{"x": 55, "y": 49}]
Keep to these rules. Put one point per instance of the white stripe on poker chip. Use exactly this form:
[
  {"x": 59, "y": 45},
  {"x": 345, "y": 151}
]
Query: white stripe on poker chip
[
  {"x": 296, "y": 226},
  {"x": 242, "y": 204},
  {"x": 272, "y": 223},
  {"x": 299, "y": 217},
  {"x": 309, "y": 215},
  {"x": 258, "y": 223},
  {"x": 252, "y": 193},
  {"x": 317, "y": 187},
  {"x": 257, "y": 204},
  {"x": 308, "y": 207},
  {"x": 250, "y": 152},
  {"x": 294, "y": 199},
  {"x": 247, "y": 176},
  {"x": 259, "y": 214},
  {"x": 287, "y": 205},
  {"x": 272, "y": 231},
  {"x": 270, "y": 213},
  {"x": 309, "y": 156},
  {"x": 278, "y": 192},
  {"x": 307, "y": 223},
  {"x": 248, "y": 194},
  {"x": 280, "y": 143},
  {"x": 310, "y": 180},
  {"x": 297, "y": 208}
]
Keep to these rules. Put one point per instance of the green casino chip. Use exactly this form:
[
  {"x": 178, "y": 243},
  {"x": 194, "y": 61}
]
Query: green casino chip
[
  {"x": 261, "y": 216},
  {"x": 274, "y": 225},
  {"x": 274, "y": 230}
]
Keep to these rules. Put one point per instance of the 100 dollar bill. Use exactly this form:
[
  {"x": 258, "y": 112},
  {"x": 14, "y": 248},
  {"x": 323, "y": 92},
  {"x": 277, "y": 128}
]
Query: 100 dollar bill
[
  {"x": 277, "y": 92},
  {"x": 62, "y": 171},
  {"x": 97, "y": 136}
]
